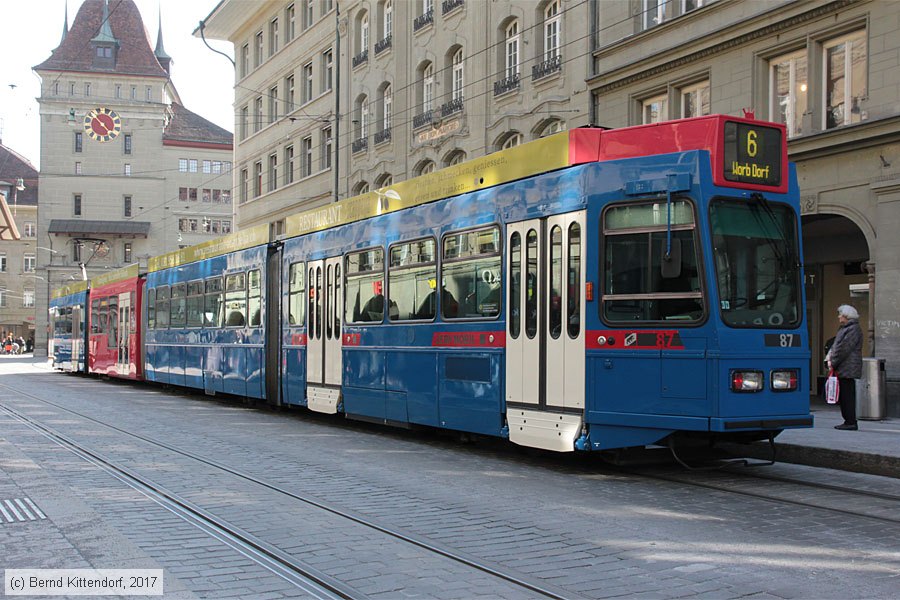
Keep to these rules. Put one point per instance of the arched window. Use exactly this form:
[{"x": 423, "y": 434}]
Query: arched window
[
  {"x": 361, "y": 116},
  {"x": 424, "y": 168},
  {"x": 552, "y": 127},
  {"x": 384, "y": 180},
  {"x": 510, "y": 140},
  {"x": 512, "y": 49},
  {"x": 361, "y": 188},
  {"x": 387, "y": 101},
  {"x": 388, "y": 18},
  {"x": 363, "y": 33},
  {"x": 552, "y": 30},
  {"x": 458, "y": 81},
  {"x": 454, "y": 157},
  {"x": 428, "y": 88}
]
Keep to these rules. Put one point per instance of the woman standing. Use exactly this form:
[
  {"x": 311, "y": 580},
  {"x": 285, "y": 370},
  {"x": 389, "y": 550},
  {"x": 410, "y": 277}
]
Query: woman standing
[{"x": 846, "y": 361}]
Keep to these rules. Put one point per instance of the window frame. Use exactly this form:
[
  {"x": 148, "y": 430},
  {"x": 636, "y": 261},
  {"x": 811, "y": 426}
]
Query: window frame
[
  {"x": 498, "y": 254},
  {"x": 402, "y": 268},
  {"x": 348, "y": 276}
]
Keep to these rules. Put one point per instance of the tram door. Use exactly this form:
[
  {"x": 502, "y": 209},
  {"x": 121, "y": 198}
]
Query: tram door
[
  {"x": 323, "y": 346},
  {"x": 545, "y": 366},
  {"x": 123, "y": 355}
]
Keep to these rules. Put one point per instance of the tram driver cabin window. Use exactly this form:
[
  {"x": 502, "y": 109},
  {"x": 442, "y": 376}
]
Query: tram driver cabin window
[{"x": 650, "y": 266}]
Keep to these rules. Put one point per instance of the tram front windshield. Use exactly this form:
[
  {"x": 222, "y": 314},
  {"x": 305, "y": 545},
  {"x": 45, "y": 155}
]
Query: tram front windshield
[{"x": 757, "y": 263}]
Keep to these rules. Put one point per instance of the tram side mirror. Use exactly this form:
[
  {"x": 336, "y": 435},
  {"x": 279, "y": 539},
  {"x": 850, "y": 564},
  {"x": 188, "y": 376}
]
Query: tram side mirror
[{"x": 670, "y": 266}]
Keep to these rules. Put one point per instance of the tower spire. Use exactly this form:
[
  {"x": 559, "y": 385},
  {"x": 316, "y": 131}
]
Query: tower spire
[
  {"x": 105, "y": 36},
  {"x": 65, "y": 22},
  {"x": 164, "y": 59}
]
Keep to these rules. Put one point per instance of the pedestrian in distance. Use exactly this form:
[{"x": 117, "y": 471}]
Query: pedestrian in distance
[{"x": 846, "y": 360}]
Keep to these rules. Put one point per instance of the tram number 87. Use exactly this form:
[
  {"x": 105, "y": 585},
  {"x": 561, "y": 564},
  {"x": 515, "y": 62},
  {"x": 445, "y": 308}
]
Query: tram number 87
[{"x": 782, "y": 340}]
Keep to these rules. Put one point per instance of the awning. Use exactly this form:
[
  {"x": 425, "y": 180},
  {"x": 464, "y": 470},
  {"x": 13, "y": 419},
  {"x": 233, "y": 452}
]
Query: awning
[{"x": 80, "y": 227}]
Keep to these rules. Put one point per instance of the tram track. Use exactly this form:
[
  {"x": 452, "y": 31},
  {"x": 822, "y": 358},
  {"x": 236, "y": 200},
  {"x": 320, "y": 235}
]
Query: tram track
[
  {"x": 273, "y": 558},
  {"x": 733, "y": 482}
]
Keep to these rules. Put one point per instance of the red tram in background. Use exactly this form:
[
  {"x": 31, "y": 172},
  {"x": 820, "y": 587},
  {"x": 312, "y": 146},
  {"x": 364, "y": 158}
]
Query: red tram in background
[{"x": 115, "y": 338}]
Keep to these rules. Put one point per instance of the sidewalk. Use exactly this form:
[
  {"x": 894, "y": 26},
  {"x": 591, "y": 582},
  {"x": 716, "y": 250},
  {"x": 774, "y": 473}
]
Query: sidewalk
[{"x": 874, "y": 449}]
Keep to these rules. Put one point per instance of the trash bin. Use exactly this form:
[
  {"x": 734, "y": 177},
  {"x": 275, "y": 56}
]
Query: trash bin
[{"x": 870, "y": 390}]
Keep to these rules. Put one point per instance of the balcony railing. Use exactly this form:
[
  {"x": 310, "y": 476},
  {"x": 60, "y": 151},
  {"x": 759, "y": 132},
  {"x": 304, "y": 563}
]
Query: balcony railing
[
  {"x": 449, "y": 108},
  {"x": 506, "y": 85},
  {"x": 360, "y": 145},
  {"x": 382, "y": 45},
  {"x": 423, "y": 20},
  {"x": 424, "y": 119},
  {"x": 548, "y": 67},
  {"x": 361, "y": 58},
  {"x": 449, "y": 5},
  {"x": 383, "y": 136}
]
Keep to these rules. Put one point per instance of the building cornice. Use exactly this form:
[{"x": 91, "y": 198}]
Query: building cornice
[{"x": 204, "y": 145}]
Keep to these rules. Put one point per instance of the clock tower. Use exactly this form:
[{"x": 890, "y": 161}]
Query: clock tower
[{"x": 127, "y": 172}]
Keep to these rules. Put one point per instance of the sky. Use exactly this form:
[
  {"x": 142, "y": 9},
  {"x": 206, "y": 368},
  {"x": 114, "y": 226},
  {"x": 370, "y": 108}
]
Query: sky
[{"x": 33, "y": 29}]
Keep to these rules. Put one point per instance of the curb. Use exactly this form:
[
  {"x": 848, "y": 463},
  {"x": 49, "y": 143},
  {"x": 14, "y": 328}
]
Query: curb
[{"x": 842, "y": 460}]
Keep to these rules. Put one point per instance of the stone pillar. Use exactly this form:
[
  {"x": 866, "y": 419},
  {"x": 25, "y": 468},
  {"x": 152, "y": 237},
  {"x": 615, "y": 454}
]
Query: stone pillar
[
  {"x": 887, "y": 293},
  {"x": 870, "y": 269}
]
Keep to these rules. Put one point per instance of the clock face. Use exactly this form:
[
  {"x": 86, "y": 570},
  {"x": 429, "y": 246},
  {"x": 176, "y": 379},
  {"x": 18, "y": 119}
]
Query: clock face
[{"x": 102, "y": 124}]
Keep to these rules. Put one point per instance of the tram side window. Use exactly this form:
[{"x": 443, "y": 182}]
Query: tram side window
[
  {"x": 254, "y": 293},
  {"x": 113, "y": 327},
  {"x": 162, "y": 307},
  {"x": 471, "y": 285},
  {"x": 195, "y": 304},
  {"x": 365, "y": 286},
  {"x": 236, "y": 300},
  {"x": 296, "y": 295},
  {"x": 98, "y": 320},
  {"x": 640, "y": 283},
  {"x": 412, "y": 281},
  {"x": 178, "y": 308},
  {"x": 212, "y": 309},
  {"x": 151, "y": 308}
]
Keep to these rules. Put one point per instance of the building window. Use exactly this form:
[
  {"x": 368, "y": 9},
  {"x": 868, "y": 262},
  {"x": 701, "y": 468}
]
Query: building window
[
  {"x": 273, "y": 104},
  {"x": 78, "y": 168},
  {"x": 289, "y": 23},
  {"x": 87, "y": 90},
  {"x": 3, "y": 297},
  {"x": 79, "y": 141},
  {"x": 306, "y": 156},
  {"x": 363, "y": 117},
  {"x": 326, "y": 148},
  {"x": 273, "y": 37},
  {"x": 511, "y": 141},
  {"x": 258, "y": 53},
  {"x": 148, "y": 94},
  {"x": 655, "y": 109},
  {"x": 134, "y": 92},
  {"x": 257, "y": 179},
  {"x": 56, "y": 88},
  {"x": 512, "y": 49},
  {"x": 845, "y": 66},
  {"x": 552, "y": 127},
  {"x": 3, "y": 263},
  {"x": 259, "y": 114},
  {"x": 363, "y": 34},
  {"x": 327, "y": 6},
  {"x": 207, "y": 166},
  {"x": 126, "y": 208},
  {"x": 273, "y": 172},
  {"x": 695, "y": 100},
  {"x": 654, "y": 12},
  {"x": 307, "y": 82},
  {"x": 226, "y": 226},
  {"x": 30, "y": 230},
  {"x": 288, "y": 164},
  {"x": 245, "y": 60},
  {"x": 29, "y": 262},
  {"x": 425, "y": 168},
  {"x": 217, "y": 167},
  {"x": 28, "y": 298},
  {"x": 428, "y": 88},
  {"x": 551, "y": 30},
  {"x": 387, "y": 107},
  {"x": 126, "y": 252},
  {"x": 307, "y": 14},
  {"x": 788, "y": 86},
  {"x": 327, "y": 69},
  {"x": 192, "y": 194},
  {"x": 388, "y": 19},
  {"x": 245, "y": 178},
  {"x": 182, "y": 165},
  {"x": 458, "y": 78},
  {"x": 183, "y": 194},
  {"x": 207, "y": 194},
  {"x": 454, "y": 158},
  {"x": 192, "y": 165},
  {"x": 245, "y": 119},
  {"x": 127, "y": 170},
  {"x": 127, "y": 143},
  {"x": 288, "y": 94}
]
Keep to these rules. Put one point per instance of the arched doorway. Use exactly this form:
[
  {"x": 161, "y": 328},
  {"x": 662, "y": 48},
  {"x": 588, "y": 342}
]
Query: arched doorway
[{"x": 835, "y": 255}]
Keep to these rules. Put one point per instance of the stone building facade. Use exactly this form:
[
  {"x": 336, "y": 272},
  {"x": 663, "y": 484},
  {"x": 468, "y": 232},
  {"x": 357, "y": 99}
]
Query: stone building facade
[
  {"x": 19, "y": 279},
  {"x": 334, "y": 98},
  {"x": 127, "y": 171}
]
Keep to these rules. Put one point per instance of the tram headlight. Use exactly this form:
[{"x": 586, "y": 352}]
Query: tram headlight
[
  {"x": 747, "y": 381},
  {"x": 784, "y": 380}
]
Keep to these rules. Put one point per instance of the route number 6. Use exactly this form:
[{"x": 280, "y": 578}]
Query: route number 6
[{"x": 751, "y": 143}]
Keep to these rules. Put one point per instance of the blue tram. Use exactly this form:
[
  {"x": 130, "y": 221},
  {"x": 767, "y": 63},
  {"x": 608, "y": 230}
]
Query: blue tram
[
  {"x": 68, "y": 327},
  {"x": 592, "y": 290}
]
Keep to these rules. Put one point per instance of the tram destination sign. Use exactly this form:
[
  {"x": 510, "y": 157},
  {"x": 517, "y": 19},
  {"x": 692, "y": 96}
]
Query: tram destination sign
[{"x": 752, "y": 154}]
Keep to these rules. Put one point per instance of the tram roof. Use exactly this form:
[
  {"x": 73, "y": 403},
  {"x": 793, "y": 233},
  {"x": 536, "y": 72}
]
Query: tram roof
[
  {"x": 129, "y": 272},
  {"x": 239, "y": 240},
  {"x": 69, "y": 289}
]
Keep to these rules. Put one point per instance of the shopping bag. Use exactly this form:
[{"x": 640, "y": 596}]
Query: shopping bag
[{"x": 832, "y": 388}]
